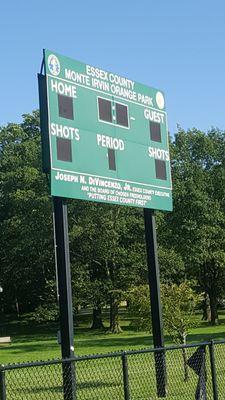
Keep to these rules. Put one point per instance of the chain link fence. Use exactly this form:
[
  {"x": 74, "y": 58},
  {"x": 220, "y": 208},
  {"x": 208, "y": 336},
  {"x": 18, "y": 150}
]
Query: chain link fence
[{"x": 177, "y": 372}]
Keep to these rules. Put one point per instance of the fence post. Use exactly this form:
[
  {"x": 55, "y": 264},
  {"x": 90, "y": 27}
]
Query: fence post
[
  {"x": 213, "y": 370},
  {"x": 2, "y": 384},
  {"x": 125, "y": 377}
]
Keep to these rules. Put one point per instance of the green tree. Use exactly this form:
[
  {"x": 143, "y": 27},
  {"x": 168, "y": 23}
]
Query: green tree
[
  {"x": 196, "y": 228},
  {"x": 178, "y": 304},
  {"x": 103, "y": 243},
  {"x": 26, "y": 250},
  {"x": 140, "y": 307},
  {"x": 108, "y": 245}
]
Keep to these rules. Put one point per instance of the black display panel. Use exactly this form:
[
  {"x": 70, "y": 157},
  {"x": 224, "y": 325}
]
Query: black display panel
[
  {"x": 64, "y": 149},
  {"x": 160, "y": 169},
  {"x": 155, "y": 131},
  {"x": 121, "y": 115},
  {"x": 105, "y": 109},
  {"x": 65, "y": 105},
  {"x": 112, "y": 159}
]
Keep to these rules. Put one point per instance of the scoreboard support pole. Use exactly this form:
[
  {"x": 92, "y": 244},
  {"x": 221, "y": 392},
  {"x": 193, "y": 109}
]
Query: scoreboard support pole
[
  {"x": 156, "y": 308},
  {"x": 65, "y": 296}
]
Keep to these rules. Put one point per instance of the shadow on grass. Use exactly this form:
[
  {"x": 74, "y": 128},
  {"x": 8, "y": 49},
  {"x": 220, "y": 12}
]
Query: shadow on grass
[
  {"x": 28, "y": 336},
  {"x": 204, "y": 337},
  {"x": 93, "y": 385},
  {"x": 14, "y": 349},
  {"x": 55, "y": 389},
  {"x": 80, "y": 386},
  {"x": 113, "y": 343},
  {"x": 122, "y": 343},
  {"x": 23, "y": 331},
  {"x": 109, "y": 343}
]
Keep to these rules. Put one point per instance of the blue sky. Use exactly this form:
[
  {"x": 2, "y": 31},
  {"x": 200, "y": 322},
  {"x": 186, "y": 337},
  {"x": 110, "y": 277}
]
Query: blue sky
[{"x": 176, "y": 46}]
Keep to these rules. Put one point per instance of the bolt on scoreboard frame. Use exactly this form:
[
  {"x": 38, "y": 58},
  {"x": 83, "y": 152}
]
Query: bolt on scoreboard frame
[{"x": 104, "y": 137}]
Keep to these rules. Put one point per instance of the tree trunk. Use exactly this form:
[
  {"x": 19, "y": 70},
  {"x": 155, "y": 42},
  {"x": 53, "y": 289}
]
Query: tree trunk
[
  {"x": 213, "y": 307},
  {"x": 2, "y": 304},
  {"x": 206, "y": 316},
  {"x": 110, "y": 311},
  {"x": 97, "y": 318},
  {"x": 185, "y": 359},
  {"x": 75, "y": 316},
  {"x": 17, "y": 307},
  {"x": 114, "y": 317}
]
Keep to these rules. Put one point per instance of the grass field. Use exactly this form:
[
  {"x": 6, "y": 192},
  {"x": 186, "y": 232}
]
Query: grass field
[
  {"x": 102, "y": 379},
  {"x": 32, "y": 341}
]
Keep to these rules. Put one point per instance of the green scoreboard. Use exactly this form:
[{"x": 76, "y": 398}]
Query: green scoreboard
[{"x": 104, "y": 137}]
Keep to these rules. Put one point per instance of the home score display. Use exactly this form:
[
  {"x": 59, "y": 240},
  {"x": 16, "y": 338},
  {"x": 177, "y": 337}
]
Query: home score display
[{"x": 106, "y": 136}]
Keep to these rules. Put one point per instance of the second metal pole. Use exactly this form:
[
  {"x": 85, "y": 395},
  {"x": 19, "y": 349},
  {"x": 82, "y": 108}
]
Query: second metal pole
[{"x": 156, "y": 308}]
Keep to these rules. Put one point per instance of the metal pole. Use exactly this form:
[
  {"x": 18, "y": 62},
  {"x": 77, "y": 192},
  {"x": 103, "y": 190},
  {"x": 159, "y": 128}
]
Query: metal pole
[
  {"x": 156, "y": 308},
  {"x": 125, "y": 377},
  {"x": 213, "y": 370},
  {"x": 65, "y": 295},
  {"x": 2, "y": 385}
]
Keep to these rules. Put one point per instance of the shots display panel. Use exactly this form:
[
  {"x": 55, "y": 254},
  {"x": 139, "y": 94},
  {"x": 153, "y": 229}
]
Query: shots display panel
[{"x": 107, "y": 136}]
